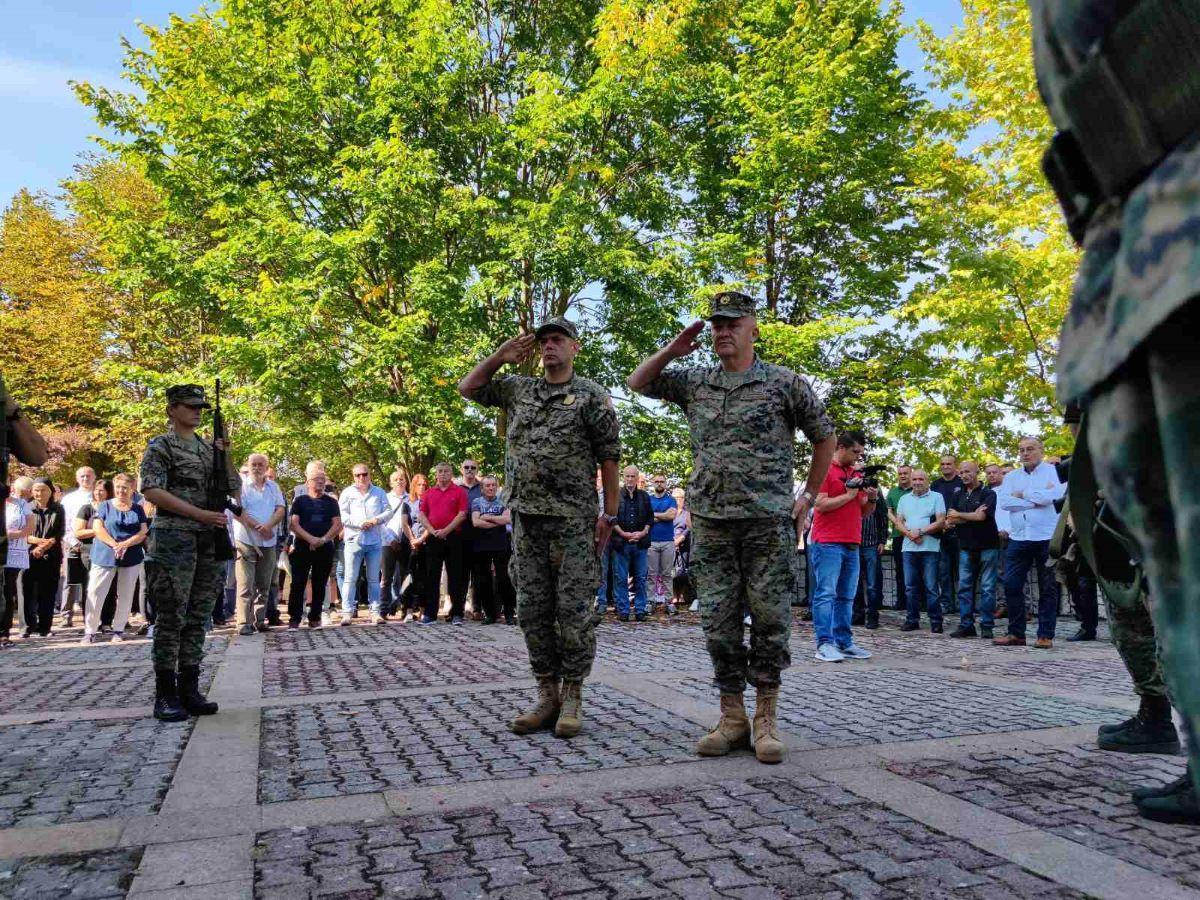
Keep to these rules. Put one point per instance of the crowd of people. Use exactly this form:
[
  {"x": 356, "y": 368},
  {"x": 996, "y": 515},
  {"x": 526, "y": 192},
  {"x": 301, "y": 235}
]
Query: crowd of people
[{"x": 960, "y": 545}]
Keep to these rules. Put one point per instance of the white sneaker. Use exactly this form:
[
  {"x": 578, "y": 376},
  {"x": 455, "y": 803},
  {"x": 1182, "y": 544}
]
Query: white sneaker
[
  {"x": 746, "y": 621},
  {"x": 326, "y": 620},
  {"x": 855, "y": 652},
  {"x": 828, "y": 653},
  {"x": 695, "y": 607}
]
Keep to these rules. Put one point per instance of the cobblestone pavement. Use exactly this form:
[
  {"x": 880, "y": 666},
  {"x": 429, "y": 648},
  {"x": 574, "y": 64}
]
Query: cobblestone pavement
[
  {"x": 1079, "y": 793},
  {"x": 358, "y": 748},
  {"x": 94, "y": 875},
  {"x": 376, "y": 762},
  {"x": 759, "y": 838}
]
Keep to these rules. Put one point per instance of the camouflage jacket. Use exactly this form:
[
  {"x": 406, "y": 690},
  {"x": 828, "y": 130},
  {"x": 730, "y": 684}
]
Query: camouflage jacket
[
  {"x": 557, "y": 434},
  {"x": 743, "y": 427},
  {"x": 1142, "y": 257},
  {"x": 183, "y": 468}
]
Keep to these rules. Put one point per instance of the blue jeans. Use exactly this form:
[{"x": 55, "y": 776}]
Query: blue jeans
[
  {"x": 1018, "y": 558},
  {"x": 921, "y": 582},
  {"x": 355, "y": 556},
  {"x": 976, "y": 565},
  {"x": 626, "y": 559},
  {"x": 872, "y": 574},
  {"x": 835, "y": 578}
]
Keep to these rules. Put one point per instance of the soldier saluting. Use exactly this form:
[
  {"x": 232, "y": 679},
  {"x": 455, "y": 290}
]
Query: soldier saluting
[
  {"x": 743, "y": 415},
  {"x": 560, "y": 427},
  {"x": 182, "y": 574}
]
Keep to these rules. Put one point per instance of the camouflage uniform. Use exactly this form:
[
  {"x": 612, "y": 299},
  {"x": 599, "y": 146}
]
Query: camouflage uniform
[
  {"x": 557, "y": 435},
  {"x": 742, "y": 428},
  {"x": 1128, "y": 355},
  {"x": 182, "y": 577}
]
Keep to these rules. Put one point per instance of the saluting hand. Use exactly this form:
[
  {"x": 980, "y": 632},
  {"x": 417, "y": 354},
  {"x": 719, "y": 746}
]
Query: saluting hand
[
  {"x": 685, "y": 342},
  {"x": 517, "y": 350}
]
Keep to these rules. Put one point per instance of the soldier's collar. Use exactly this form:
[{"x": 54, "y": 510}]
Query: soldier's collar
[
  {"x": 566, "y": 387},
  {"x": 718, "y": 377}
]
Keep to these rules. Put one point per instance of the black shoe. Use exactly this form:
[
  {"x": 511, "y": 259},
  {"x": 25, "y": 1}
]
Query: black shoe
[
  {"x": 640, "y": 617},
  {"x": 218, "y": 622},
  {"x": 275, "y": 622},
  {"x": 624, "y": 617},
  {"x": 986, "y": 632},
  {"x": 857, "y": 619},
  {"x": 189, "y": 692},
  {"x": 1082, "y": 635},
  {"x": 963, "y": 631},
  {"x": 489, "y": 620},
  {"x": 166, "y": 698},
  {"x": 935, "y": 629},
  {"x": 910, "y": 626},
  {"x": 1150, "y": 707},
  {"x": 27, "y": 633},
  {"x": 1179, "y": 807},
  {"x": 1150, "y": 731},
  {"x": 872, "y": 622}
]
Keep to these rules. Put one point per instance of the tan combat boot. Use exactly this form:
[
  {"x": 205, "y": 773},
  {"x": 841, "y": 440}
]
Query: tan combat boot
[
  {"x": 570, "y": 717},
  {"x": 732, "y": 731},
  {"x": 544, "y": 712},
  {"x": 767, "y": 746}
]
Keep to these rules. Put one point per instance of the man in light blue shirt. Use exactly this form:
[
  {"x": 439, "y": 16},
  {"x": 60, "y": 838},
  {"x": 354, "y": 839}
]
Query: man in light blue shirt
[
  {"x": 1028, "y": 497},
  {"x": 920, "y": 517},
  {"x": 364, "y": 509}
]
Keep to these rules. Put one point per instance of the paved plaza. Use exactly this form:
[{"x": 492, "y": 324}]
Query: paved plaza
[{"x": 362, "y": 762}]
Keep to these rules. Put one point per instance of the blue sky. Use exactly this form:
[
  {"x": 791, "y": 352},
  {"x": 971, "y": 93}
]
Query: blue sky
[{"x": 45, "y": 43}]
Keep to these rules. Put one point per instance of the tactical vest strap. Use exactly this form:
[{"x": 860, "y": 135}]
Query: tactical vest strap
[
  {"x": 1108, "y": 549},
  {"x": 1130, "y": 104}
]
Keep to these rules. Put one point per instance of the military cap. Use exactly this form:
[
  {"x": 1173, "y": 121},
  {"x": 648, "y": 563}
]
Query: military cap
[
  {"x": 189, "y": 394},
  {"x": 730, "y": 305},
  {"x": 557, "y": 323}
]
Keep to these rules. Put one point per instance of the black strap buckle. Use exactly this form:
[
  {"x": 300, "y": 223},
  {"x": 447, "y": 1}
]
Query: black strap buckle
[{"x": 1073, "y": 183}]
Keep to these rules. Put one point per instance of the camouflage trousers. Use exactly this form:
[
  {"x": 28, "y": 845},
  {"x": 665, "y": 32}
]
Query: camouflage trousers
[
  {"x": 1143, "y": 428},
  {"x": 556, "y": 573},
  {"x": 741, "y": 565},
  {"x": 182, "y": 582},
  {"x": 1133, "y": 635}
]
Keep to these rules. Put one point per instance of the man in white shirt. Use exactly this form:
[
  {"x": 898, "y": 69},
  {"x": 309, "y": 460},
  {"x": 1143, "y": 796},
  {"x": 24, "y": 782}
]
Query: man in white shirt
[
  {"x": 85, "y": 478},
  {"x": 255, "y": 539},
  {"x": 364, "y": 511},
  {"x": 1028, "y": 496}
]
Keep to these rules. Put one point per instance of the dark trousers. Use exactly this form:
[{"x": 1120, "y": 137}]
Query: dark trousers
[
  {"x": 1087, "y": 602},
  {"x": 467, "y": 573},
  {"x": 309, "y": 564},
  {"x": 11, "y": 577},
  {"x": 413, "y": 597},
  {"x": 1019, "y": 557},
  {"x": 898, "y": 571},
  {"x": 395, "y": 570},
  {"x": 41, "y": 592},
  {"x": 948, "y": 572},
  {"x": 493, "y": 596},
  {"x": 869, "y": 595},
  {"x": 446, "y": 552}
]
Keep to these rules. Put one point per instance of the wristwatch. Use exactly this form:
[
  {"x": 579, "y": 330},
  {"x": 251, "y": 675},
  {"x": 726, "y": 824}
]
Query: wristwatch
[
  {"x": 611, "y": 520},
  {"x": 807, "y": 495}
]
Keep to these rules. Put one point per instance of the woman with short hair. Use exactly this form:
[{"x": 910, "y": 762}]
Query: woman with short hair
[
  {"x": 45, "y": 559},
  {"x": 119, "y": 528}
]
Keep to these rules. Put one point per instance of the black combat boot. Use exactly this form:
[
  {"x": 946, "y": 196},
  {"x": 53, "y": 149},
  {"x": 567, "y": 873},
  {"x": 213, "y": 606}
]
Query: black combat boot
[
  {"x": 1150, "y": 731},
  {"x": 1175, "y": 804},
  {"x": 189, "y": 692},
  {"x": 166, "y": 698},
  {"x": 872, "y": 621}
]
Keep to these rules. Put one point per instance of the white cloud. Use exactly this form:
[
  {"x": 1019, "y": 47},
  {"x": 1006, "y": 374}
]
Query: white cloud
[{"x": 29, "y": 79}]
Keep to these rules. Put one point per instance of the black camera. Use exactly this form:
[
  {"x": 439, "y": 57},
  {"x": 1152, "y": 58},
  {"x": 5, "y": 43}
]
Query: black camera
[{"x": 865, "y": 478}]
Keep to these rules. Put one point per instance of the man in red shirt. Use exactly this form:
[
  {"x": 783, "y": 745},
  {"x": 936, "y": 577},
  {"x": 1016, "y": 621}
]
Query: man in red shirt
[
  {"x": 833, "y": 548},
  {"x": 444, "y": 507}
]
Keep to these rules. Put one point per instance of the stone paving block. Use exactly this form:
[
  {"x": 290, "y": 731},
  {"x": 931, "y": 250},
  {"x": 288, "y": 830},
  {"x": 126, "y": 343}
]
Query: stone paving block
[
  {"x": 75, "y": 771},
  {"x": 404, "y": 667},
  {"x": 454, "y": 739},
  {"x": 136, "y": 651},
  {"x": 1071, "y": 805},
  {"x": 84, "y": 876},
  {"x": 506, "y": 864},
  {"x": 409, "y": 635},
  {"x": 847, "y": 706},
  {"x": 84, "y": 689}
]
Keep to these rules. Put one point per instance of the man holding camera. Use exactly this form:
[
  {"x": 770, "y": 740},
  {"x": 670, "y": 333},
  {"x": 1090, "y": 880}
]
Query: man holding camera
[{"x": 833, "y": 549}]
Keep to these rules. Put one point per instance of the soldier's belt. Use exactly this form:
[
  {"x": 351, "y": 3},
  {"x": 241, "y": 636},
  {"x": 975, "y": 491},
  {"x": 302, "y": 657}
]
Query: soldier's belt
[{"x": 1134, "y": 101}]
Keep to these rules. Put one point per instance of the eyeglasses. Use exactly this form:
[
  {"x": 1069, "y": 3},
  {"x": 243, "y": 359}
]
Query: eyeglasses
[
  {"x": 470, "y": 468},
  {"x": 361, "y": 474}
]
